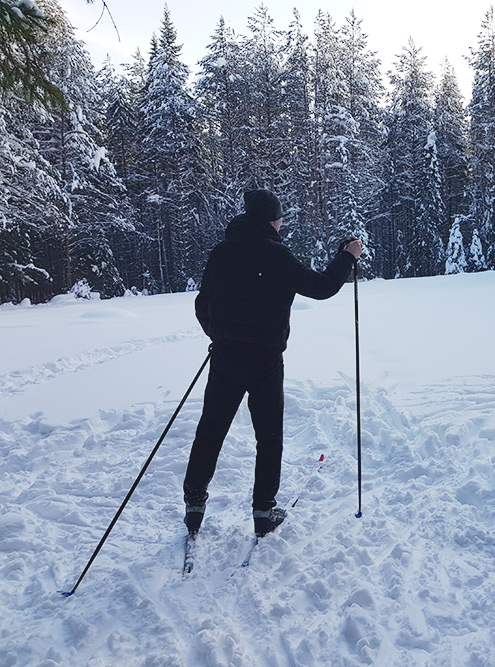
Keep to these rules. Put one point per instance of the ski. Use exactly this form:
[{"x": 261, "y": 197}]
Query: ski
[
  {"x": 316, "y": 467},
  {"x": 189, "y": 554},
  {"x": 291, "y": 503},
  {"x": 247, "y": 559}
]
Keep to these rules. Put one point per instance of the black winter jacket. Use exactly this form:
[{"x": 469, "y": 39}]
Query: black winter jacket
[{"x": 250, "y": 282}]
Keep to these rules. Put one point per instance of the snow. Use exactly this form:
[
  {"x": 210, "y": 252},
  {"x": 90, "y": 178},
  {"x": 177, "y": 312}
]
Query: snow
[
  {"x": 431, "y": 142},
  {"x": 100, "y": 154},
  {"x": 86, "y": 389},
  {"x": 28, "y": 6}
]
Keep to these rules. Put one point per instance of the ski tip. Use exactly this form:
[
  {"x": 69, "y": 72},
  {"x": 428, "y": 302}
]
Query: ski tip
[
  {"x": 358, "y": 514},
  {"x": 66, "y": 594},
  {"x": 322, "y": 457}
]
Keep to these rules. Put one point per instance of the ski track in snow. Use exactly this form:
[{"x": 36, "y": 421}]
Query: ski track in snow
[
  {"x": 411, "y": 583},
  {"x": 18, "y": 381}
]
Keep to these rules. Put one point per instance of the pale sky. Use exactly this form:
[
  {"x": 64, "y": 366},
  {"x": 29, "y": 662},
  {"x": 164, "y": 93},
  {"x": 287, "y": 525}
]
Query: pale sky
[{"x": 440, "y": 27}]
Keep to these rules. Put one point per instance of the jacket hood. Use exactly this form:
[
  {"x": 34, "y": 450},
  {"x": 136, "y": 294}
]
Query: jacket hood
[{"x": 246, "y": 228}]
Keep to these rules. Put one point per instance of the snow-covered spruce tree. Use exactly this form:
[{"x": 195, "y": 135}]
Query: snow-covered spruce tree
[
  {"x": 125, "y": 128},
  {"x": 267, "y": 124},
  {"x": 328, "y": 93},
  {"x": 120, "y": 97},
  {"x": 31, "y": 203},
  {"x": 121, "y": 128},
  {"x": 105, "y": 80},
  {"x": 456, "y": 257},
  {"x": 123, "y": 138},
  {"x": 360, "y": 153},
  {"x": 135, "y": 72},
  {"x": 426, "y": 239},
  {"x": 171, "y": 147},
  {"x": 412, "y": 199},
  {"x": 476, "y": 259},
  {"x": 31, "y": 206},
  {"x": 222, "y": 112},
  {"x": 450, "y": 126},
  {"x": 346, "y": 131},
  {"x": 125, "y": 132},
  {"x": 96, "y": 204},
  {"x": 123, "y": 122},
  {"x": 482, "y": 136},
  {"x": 302, "y": 227}
]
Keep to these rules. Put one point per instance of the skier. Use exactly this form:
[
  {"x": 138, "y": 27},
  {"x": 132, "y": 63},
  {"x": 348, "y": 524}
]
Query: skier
[{"x": 244, "y": 303}]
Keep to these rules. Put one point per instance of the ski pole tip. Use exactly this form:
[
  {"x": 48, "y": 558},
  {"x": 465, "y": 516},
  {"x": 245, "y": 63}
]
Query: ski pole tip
[{"x": 358, "y": 514}]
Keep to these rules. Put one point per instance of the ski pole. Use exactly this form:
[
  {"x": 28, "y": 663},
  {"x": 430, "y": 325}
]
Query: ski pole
[
  {"x": 342, "y": 247},
  {"x": 139, "y": 477},
  {"x": 359, "y": 513}
]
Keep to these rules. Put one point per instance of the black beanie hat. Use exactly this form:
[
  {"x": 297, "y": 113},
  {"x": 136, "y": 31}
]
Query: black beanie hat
[{"x": 263, "y": 204}]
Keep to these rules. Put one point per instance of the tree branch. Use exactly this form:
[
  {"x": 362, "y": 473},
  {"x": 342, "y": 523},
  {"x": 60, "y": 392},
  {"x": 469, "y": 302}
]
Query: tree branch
[{"x": 104, "y": 9}]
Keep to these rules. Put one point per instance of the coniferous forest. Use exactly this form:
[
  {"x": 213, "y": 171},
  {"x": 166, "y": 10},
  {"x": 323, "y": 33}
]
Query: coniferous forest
[{"x": 124, "y": 179}]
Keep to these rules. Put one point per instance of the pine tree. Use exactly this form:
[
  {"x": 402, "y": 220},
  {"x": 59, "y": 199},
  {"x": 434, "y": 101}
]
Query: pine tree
[
  {"x": 456, "y": 258},
  {"x": 120, "y": 98},
  {"x": 476, "y": 259},
  {"x": 28, "y": 185},
  {"x": 412, "y": 197},
  {"x": 426, "y": 239},
  {"x": 482, "y": 136},
  {"x": 136, "y": 73},
  {"x": 267, "y": 125},
  {"x": 105, "y": 79},
  {"x": 450, "y": 126},
  {"x": 70, "y": 140},
  {"x": 347, "y": 135},
  {"x": 125, "y": 122},
  {"x": 125, "y": 128},
  {"x": 302, "y": 226},
  {"x": 221, "y": 92},
  {"x": 121, "y": 122},
  {"x": 360, "y": 153},
  {"x": 328, "y": 97},
  {"x": 171, "y": 153}
]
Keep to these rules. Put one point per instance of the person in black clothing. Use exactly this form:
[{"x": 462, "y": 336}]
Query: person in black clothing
[{"x": 243, "y": 305}]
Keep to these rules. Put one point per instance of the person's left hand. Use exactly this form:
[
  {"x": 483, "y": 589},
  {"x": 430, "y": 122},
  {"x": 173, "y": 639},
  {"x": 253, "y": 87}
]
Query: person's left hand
[{"x": 355, "y": 246}]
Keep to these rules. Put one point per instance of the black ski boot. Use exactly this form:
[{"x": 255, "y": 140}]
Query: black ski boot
[
  {"x": 266, "y": 521},
  {"x": 194, "y": 517}
]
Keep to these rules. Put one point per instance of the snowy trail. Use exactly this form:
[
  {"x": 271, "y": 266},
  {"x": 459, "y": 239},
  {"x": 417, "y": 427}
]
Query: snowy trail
[
  {"x": 17, "y": 381},
  {"x": 411, "y": 583}
]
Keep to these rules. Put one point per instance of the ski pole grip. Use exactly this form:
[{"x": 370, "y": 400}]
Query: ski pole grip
[{"x": 344, "y": 245}]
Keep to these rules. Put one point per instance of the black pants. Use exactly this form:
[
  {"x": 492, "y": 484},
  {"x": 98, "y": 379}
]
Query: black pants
[{"x": 233, "y": 372}]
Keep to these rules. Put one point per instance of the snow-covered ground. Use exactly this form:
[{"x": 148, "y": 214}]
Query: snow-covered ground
[{"x": 86, "y": 389}]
